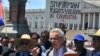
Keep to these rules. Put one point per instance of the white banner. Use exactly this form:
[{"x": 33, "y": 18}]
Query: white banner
[{"x": 64, "y": 9}]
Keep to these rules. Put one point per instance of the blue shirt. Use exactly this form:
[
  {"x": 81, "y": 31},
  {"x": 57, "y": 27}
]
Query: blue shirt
[
  {"x": 24, "y": 54},
  {"x": 96, "y": 53},
  {"x": 43, "y": 51}
]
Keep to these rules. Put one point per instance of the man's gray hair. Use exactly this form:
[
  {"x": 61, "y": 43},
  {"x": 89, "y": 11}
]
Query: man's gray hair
[{"x": 59, "y": 31}]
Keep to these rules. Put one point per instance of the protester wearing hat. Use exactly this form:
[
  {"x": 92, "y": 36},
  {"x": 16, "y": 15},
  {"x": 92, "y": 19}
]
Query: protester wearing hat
[
  {"x": 96, "y": 43},
  {"x": 24, "y": 46},
  {"x": 79, "y": 44}
]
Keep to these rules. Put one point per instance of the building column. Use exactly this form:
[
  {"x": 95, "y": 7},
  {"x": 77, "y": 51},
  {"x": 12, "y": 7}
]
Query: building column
[
  {"x": 68, "y": 26},
  {"x": 49, "y": 26},
  {"x": 83, "y": 21},
  {"x": 73, "y": 27},
  {"x": 88, "y": 20},
  {"x": 78, "y": 26},
  {"x": 99, "y": 20},
  {"x": 94, "y": 21}
]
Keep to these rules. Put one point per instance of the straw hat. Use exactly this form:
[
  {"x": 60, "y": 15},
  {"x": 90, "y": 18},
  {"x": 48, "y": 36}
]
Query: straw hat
[
  {"x": 25, "y": 37},
  {"x": 97, "y": 34}
]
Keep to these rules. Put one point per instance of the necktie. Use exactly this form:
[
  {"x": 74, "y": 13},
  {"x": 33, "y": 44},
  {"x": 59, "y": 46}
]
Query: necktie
[{"x": 55, "y": 53}]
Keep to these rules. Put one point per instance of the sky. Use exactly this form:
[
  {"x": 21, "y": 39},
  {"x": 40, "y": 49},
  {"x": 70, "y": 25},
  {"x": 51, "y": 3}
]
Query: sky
[{"x": 31, "y": 4}]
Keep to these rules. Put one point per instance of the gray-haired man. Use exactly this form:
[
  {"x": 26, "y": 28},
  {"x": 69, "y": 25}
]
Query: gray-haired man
[{"x": 58, "y": 42}]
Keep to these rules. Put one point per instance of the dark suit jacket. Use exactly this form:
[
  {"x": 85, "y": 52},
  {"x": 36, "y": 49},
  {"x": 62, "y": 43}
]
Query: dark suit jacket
[
  {"x": 18, "y": 54},
  {"x": 8, "y": 52}
]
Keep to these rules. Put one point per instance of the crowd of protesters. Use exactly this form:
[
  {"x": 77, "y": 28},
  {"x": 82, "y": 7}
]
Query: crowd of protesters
[{"x": 51, "y": 43}]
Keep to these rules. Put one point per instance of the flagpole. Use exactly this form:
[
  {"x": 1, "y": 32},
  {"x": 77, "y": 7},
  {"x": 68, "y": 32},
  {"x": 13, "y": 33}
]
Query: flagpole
[{"x": 4, "y": 18}]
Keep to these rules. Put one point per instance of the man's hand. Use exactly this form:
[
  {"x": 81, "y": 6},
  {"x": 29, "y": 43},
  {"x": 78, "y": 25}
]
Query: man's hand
[{"x": 35, "y": 51}]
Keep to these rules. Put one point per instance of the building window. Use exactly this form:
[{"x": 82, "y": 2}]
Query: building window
[
  {"x": 30, "y": 18},
  {"x": 71, "y": 26},
  {"x": 41, "y": 24},
  {"x": 36, "y": 17},
  {"x": 61, "y": 25},
  {"x": 66, "y": 25},
  {"x": 36, "y": 24},
  {"x": 75, "y": 26},
  {"x": 30, "y": 25},
  {"x": 42, "y": 18},
  {"x": 56, "y": 24}
]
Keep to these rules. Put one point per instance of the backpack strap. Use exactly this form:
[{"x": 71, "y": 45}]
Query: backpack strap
[
  {"x": 1, "y": 49},
  {"x": 48, "y": 51}
]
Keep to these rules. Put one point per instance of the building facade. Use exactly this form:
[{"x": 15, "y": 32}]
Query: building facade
[
  {"x": 74, "y": 14},
  {"x": 36, "y": 20}
]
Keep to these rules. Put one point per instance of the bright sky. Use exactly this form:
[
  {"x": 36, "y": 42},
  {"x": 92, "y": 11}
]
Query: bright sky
[{"x": 31, "y": 4}]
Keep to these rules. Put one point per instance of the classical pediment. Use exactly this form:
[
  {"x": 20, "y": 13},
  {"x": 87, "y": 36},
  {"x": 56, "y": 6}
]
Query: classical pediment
[{"x": 92, "y": 3}]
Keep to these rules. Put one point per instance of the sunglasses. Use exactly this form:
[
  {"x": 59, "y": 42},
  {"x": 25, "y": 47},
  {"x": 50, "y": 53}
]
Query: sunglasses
[{"x": 24, "y": 43}]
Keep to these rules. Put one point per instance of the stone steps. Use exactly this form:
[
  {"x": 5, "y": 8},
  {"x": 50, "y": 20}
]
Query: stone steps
[{"x": 71, "y": 33}]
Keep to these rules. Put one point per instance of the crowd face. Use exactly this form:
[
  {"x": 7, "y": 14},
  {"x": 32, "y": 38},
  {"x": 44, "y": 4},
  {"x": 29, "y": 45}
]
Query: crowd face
[
  {"x": 96, "y": 43},
  {"x": 55, "y": 40},
  {"x": 12, "y": 41},
  {"x": 79, "y": 44},
  {"x": 44, "y": 37},
  {"x": 5, "y": 42},
  {"x": 24, "y": 45},
  {"x": 35, "y": 38}
]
